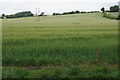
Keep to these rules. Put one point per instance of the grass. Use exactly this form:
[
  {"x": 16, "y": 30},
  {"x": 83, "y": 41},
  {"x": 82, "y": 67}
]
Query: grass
[
  {"x": 111, "y": 15},
  {"x": 62, "y": 72},
  {"x": 62, "y": 41}
]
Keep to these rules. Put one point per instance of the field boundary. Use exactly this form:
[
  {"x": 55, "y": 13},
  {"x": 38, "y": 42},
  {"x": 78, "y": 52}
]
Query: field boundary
[{"x": 108, "y": 15}]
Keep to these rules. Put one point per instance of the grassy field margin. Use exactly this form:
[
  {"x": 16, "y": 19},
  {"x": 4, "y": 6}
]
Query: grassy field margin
[{"x": 111, "y": 15}]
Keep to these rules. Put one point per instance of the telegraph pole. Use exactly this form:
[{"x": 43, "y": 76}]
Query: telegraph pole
[{"x": 37, "y": 14}]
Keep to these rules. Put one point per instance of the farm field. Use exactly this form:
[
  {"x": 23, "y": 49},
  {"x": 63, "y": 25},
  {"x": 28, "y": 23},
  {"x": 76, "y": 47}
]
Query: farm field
[{"x": 68, "y": 46}]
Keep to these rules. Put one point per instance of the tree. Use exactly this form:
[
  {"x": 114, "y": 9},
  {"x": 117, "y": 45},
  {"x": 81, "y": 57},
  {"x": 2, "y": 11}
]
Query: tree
[
  {"x": 56, "y": 14},
  {"x": 3, "y": 15},
  {"x": 114, "y": 8},
  {"x": 53, "y": 14},
  {"x": 77, "y": 11},
  {"x": 24, "y": 14},
  {"x": 103, "y": 9},
  {"x": 42, "y": 14},
  {"x": 83, "y": 12},
  {"x": 11, "y": 16}
]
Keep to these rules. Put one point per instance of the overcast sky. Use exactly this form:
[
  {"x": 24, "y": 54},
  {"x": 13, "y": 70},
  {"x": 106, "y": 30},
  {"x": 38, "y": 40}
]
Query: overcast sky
[{"x": 50, "y": 6}]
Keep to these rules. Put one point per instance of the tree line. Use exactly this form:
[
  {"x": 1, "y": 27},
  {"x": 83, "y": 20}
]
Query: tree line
[
  {"x": 29, "y": 13},
  {"x": 18, "y": 15},
  {"x": 21, "y": 14},
  {"x": 114, "y": 8},
  {"x": 74, "y": 12}
]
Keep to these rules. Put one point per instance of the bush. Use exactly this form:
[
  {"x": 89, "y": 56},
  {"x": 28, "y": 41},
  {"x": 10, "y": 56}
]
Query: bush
[
  {"x": 83, "y": 12},
  {"x": 93, "y": 12},
  {"x": 24, "y": 14},
  {"x": 57, "y": 14},
  {"x": 65, "y": 13},
  {"x": 11, "y": 16},
  {"x": 20, "y": 14}
]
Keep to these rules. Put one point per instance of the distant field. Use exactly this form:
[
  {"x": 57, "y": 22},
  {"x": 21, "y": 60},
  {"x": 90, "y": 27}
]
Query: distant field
[{"x": 60, "y": 46}]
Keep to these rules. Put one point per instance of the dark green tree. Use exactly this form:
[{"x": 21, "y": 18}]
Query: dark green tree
[
  {"x": 42, "y": 14},
  {"x": 114, "y": 8},
  {"x": 3, "y": 15},
  {"x": 103, "y": 9},
  {"x": 77, "y": 11},
  {"x": 24, "y": 14},
  {"x": 53, "y": 14},
  {"x": 11, "y": 16}
]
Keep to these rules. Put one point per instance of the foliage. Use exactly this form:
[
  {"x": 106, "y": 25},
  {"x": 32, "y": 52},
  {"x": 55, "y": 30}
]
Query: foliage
[
  {"x": 20, "y": 14},
  {"x": 24, "y": 14},
  {"x": 83, "y": 12},
  {"x": 11, "y": 16},
  {"x": 103, "y": 9},
  {"x": 2, "y": 16},
  {"x": 72, "y": 12},
  {"x": 93, "y": 12},
  {"x": 75, "y": 12},
  {"x": 65, "y": 13},
  {"x": 42, "y": 14},
  {"x": 114, "y": 8},
  {"x": 57, "y": 14}
]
